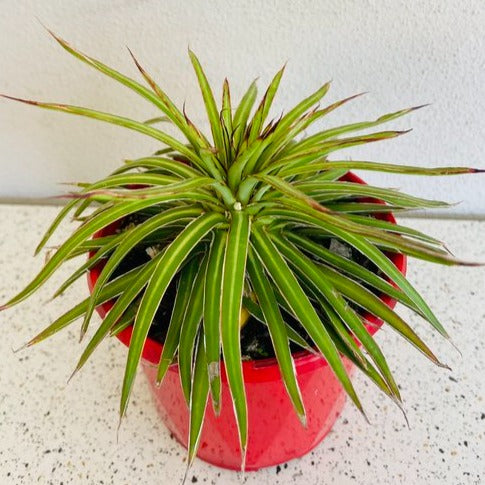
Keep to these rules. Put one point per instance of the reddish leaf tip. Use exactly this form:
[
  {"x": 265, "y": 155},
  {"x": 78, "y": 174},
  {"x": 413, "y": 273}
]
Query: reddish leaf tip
[
  {"x": 58, "y": 39},
  {"x": 21, "y": 100},
  {"x": 44, "y": 26},
  {"x": 444, "y": 366},
  {"x": 69, "y": 195},
  {"x": 135, "y": 60},
  {"x": 414, "y": 108},
  {"x": 132, "y": 55},
  {"x": 350, "y": 98}
]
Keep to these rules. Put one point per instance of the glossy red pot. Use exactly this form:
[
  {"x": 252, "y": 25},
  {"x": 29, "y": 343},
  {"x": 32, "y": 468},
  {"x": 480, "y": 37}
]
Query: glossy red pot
[{"x": 275, "y": 433}]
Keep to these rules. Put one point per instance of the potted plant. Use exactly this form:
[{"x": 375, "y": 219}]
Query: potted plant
[{"x": 248, "y": 272}]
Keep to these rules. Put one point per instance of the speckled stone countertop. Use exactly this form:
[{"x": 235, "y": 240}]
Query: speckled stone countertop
[{"x": 52, "y": 432}]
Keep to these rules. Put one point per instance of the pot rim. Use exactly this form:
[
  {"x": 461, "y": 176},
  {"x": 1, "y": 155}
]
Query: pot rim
[{"x": 304, "y": 360}]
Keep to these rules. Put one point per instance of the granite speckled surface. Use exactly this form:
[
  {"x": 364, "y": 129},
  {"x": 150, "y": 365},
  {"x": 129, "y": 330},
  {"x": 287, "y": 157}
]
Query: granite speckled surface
[{"x": 57, "y": 433}]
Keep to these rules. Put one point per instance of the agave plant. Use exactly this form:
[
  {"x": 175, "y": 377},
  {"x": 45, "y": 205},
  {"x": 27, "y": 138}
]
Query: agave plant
[{"x": 238, "y": 220}]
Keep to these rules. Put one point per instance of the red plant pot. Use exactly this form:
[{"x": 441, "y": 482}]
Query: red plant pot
[{"x": 275, "y": 433}]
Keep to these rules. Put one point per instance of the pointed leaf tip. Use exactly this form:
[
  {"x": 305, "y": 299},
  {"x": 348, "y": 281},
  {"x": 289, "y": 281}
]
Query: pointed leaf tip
[
  {"x": 74, "y": 372},
  {"x": 22, "y": 347},
  {"x": 303, "y": 420},
  {"x": 20, "y": 100},
  {"x": 365, "y": 415},
  {"x": 191, "y": 53},
  {"x": 135, "y": 60},
  {"x": 45, "y": 27},
  {"x": 353, "y": 96},
  {"x": 425, "y": 105},
  {"x": 57, "y": 38},
  {"x": 243, "y": 459},
  {"x": 82, "y": 333},
  {"x": 186, "y": 474}
]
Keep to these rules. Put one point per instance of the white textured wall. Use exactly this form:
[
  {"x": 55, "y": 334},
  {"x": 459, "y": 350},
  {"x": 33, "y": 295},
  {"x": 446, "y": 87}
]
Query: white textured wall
[{"x": 404, "y": 52}]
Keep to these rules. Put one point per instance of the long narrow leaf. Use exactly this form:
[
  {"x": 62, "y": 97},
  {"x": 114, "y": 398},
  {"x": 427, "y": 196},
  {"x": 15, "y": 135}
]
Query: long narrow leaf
[
  {"x": 242, "y": 114},
  {"x": 340, "y": 130},
  {"x": 352, "y": 189},
  {"x": 172, "y": 166},
  {"x": 376, "y": 167},
  {"x": 116, "y": 120},
  {"x": 263, "y": 109},
  {"x": 188, "y": 332},
  {"x": 212, "y": 315},
  {"x": 232, "y": 293},
  {"x": 295, "y": 158},
  {"x": 199, "y": 394},
  {"x": 210, "y": 104}
]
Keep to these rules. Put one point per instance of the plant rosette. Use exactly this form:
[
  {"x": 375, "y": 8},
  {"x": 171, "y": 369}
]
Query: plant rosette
[
  {"x": 280, "y": 436},
  {"x": 238, "y": 226}
]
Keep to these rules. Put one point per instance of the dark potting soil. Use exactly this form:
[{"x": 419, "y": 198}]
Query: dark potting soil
[{"x": 255, "y": 338}]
